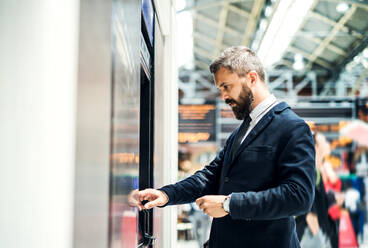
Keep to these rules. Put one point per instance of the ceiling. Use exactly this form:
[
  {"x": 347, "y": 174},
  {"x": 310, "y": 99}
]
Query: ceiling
[{"x": 327, "y": 39}]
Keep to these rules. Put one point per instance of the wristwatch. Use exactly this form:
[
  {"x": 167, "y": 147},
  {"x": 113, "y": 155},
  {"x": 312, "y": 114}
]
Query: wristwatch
[{"x": 226, "y": 204}]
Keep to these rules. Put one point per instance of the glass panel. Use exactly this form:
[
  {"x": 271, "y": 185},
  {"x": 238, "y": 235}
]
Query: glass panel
[
  {"x": 125, "y": 40},
  {"x": 148, "y": 16}
]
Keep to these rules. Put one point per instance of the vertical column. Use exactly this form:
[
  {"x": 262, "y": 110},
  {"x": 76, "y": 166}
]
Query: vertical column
[
  {"x": 166, "y": 119},
  {"x": 38, "y": 72}
]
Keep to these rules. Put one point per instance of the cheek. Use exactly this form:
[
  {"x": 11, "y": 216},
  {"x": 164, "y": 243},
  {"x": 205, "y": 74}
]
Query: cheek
[
  {"x": 235, "y": 93},
  {"x": 236, "y": 99}
]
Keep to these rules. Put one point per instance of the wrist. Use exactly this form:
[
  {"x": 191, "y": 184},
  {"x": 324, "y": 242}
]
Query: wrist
[{"x": 164, "y": 195}]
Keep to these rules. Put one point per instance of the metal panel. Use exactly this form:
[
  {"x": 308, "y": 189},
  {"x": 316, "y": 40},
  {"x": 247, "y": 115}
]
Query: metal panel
[
  {"x": 159, "y": 155},
  {"x": 93, "y": 126},
  {"x": 236, "y": 21},
  {"x": 231, "y": 40},
  {"x": 212, "y": 13},
  {"x": 328, "y": 9},
  {"x": 304, "y": 44},
  {"x": 245, "y": 5},
  {"x": 357, "y": 23}
]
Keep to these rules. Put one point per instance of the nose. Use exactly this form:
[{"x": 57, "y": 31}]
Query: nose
[{"x": 223, "y": 95}]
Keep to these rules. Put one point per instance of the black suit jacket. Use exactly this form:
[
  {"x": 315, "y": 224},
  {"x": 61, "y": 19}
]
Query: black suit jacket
[{"x": 271, "y": 179}]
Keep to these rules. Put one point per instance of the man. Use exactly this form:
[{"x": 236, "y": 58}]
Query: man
[
  {"x": 264, "y": 175},
  {"x": 317, "y": 228}
]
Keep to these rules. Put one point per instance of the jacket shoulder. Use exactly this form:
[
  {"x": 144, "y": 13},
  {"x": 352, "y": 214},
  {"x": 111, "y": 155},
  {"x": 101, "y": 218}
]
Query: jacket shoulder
[{"x": 285, "y": 115}]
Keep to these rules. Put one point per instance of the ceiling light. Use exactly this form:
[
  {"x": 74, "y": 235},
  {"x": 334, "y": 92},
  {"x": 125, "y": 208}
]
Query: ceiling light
[
  {"x": 365, "y": 64},
  {"x": 365, "y": 53},
  {"x": 180, "y": 5},
  {"x": 268, "y": 11},
  {"x": 285, "y": 22},
  {"x": 356, "y": 59},
  {"x": 298, "y": 62},
  {"x": 342, "y": 7},
  {"x": 184, "y": 48}
]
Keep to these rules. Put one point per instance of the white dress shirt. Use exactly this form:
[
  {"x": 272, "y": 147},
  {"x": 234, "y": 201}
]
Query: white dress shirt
[{"x": 259, "y": 111}]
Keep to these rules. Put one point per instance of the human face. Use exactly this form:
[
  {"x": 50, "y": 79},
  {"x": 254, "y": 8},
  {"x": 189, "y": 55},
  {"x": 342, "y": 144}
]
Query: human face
[
  {"x": 234, "y": 91},
  {"x": 323, "y": 148}
]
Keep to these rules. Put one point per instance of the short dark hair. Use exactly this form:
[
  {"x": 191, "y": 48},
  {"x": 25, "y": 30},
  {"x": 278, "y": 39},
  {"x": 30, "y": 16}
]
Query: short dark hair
[{"x": 239, "y": 59}]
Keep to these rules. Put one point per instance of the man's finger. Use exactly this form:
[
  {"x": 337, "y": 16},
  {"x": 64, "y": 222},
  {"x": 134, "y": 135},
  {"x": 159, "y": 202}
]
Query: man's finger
[
  {"x": 141, "y": 195},
  {"x": 152, "y": 204},
  {"x": 144, "y": 193},
  {"x": 203, "y": 205},
  {"x": 199, "y": 201},
  {"x": 140, "y": 206}
]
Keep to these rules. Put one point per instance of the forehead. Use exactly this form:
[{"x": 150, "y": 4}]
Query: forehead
[{"x": 224, "y": 75}]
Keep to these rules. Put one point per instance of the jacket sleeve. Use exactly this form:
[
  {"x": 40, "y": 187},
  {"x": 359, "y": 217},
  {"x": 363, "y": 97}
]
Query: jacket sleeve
[
  {"x": 203, "y": 182},
  {"x": 294, "y": 193}
]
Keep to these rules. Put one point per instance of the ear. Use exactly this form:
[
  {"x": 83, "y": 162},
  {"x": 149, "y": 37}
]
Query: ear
[{"x": 253, "y": 76}]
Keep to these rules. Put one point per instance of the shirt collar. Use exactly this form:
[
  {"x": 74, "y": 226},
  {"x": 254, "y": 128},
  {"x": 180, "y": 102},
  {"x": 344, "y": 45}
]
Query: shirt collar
[{"x": 260, "y": 108}]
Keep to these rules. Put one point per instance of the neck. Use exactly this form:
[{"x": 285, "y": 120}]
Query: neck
[{"x": 259, "y": 97}]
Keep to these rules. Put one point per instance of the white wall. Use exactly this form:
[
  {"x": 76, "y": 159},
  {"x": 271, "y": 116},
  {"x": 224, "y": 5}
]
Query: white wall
[
  {"x": 166, "y": 120},
  {"x": 38, "y": 67}
]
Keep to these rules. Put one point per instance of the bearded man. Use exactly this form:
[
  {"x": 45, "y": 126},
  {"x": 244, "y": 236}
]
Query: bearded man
[{"x": 265, "y": 173}]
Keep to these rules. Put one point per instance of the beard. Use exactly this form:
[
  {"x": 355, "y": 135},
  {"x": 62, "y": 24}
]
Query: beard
[{"x": 242, "y": 106}]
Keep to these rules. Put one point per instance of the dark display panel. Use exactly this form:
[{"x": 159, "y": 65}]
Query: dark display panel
[
  {"x": 197, "y": 123},
  {"x": 327, "y": 112}
]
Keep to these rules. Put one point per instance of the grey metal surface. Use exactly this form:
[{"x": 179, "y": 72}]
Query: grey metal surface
[
  {"x": 159, "y": 133},
  {"x": 93, "y": 126}
]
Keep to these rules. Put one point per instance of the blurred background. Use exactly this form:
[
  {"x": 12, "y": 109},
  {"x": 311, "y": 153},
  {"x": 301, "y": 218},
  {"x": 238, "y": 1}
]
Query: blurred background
[
  {"x": 101, "y": 98},
  {"x": 316, "y": 59}
]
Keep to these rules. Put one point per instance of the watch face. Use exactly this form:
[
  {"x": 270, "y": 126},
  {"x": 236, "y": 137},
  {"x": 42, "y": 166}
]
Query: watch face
[{"x": 226, "y": 204}]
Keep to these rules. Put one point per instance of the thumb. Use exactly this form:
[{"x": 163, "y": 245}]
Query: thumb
[{"x": 152, "y": 204}]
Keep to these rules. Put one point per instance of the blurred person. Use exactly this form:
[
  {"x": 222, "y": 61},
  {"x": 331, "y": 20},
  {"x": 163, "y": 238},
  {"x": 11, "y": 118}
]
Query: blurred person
[
  {"x": 353, "y": 205},
  {"x": 201, "y": 222},
  {"x": 185, "y": 166},
  {"x": 329, "y": 176},
  {"x": 265, "y": 173},
  {"x": 317, "y": 228}
]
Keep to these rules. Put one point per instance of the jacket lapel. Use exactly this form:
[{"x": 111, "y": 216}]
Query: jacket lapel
[
  {"x": 228, "y": 154},
  {"x": 262, "y": 124}
]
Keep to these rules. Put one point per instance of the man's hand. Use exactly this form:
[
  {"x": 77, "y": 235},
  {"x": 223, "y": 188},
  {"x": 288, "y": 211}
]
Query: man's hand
[
  {"x": 133, "y": 200},
  {"x": 340, "y": 198},
  {"x": 212, "y": 205},
  {"x": 312, "y": 221},
  {"x": 154, "y": 197}
]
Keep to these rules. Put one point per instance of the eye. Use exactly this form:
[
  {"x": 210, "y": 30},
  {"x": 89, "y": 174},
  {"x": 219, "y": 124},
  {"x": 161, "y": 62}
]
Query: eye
[{"x": 225, "y": 87}]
